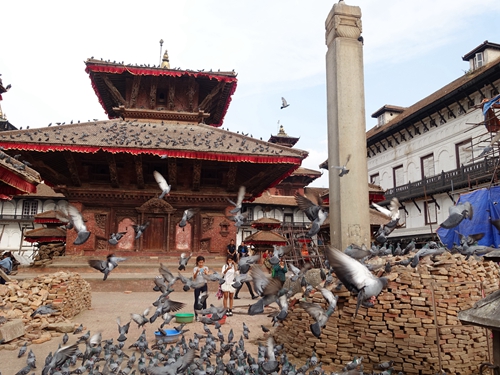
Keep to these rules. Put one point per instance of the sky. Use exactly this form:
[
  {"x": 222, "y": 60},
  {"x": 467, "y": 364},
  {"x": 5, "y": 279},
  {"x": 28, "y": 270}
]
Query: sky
[{"x": 411, "y": 49}]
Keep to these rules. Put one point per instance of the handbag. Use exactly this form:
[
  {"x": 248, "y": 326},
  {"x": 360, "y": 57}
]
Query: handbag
[{"x": 219, "y": 294}]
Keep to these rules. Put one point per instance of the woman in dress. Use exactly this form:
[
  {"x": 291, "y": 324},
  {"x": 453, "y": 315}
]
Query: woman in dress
[{"x": 229, "y": 273}]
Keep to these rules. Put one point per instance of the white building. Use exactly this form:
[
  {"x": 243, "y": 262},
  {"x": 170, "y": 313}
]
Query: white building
[{"x": 429, "y": 153}]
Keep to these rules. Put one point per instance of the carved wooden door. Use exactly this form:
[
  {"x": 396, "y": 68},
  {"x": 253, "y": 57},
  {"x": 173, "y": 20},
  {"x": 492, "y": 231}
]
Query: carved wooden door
[{"x": 155, "y": 236}]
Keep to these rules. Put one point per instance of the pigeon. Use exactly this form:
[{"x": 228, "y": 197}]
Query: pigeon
[
  {"x": 458, "y": 213},
  {"x": 187, "y": 214},
  {"x": 183, "y": 261},
  {"x": 78, "y": 330},
  {"x": 106, "y": 266},
  {"x": 140, "y": 319},
  {"x": 315, "y": 213},
  {"x": 284, "y": 103},
  {"x": 115, "y": 237},
  {"x": 355, "y": 277},
  {"x": 162, "y": 183},
  {"x": 139, "y": 229},
  {"x": 393, "y": 214},
  {"x": 167, "y": 276},
  {"x": 60, "y": 356},
  {"x": 239, "y": 200},
  {"x": 122, "y": 330},
  {"x": 343, "y": 168},
  {"x": 177, "y": 367},
  {"x": 271, "y": 365},
  {"x": 44, "y": 310},
  {"x": 70, "y": 214},
  {"x": 22, "y": 349}
]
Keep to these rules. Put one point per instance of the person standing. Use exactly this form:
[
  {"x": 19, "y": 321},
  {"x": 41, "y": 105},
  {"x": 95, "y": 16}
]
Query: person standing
[
  {"x": 5, "y": 266},
  {"x": 229, "y": 273},
  {"x": 231, "y": 250},
  {"x": 199, "y": 270},
  {"x": 280, "y": 270}
]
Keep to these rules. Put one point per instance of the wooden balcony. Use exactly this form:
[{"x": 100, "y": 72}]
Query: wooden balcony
[{"x": 469, "y": 176}]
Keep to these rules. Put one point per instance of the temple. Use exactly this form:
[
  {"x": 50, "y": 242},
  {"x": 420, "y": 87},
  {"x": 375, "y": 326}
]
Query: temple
[{"x": 160, "y": 119}]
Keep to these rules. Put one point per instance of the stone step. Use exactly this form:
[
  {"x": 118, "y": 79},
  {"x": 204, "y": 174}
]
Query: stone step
[{"x": 135, "y": 274}]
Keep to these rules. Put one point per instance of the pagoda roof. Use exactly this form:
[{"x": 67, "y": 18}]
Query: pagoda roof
[
  {"x": 484, "y": 313},
  {"x": 45, "y": 234},
  {"x": 214, "y": 99},
  {"x": 265, "y": 237},
  {"x": 16, "y": 178},
  {"x": 165, "y": 139},
  {"x": 301, "y": 171},
  {"x": 47, "y": 217},
  {"x": 266, "y": 222}
]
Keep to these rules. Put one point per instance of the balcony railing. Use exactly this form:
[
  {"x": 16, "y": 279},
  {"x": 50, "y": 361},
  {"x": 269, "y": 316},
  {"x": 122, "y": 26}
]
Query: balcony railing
[
  {"x": 467, "y": 176},
  {"x": 16, "y": 217}
]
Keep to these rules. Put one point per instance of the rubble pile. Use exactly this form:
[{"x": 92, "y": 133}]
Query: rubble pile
[
  {"x": 67, "y": 292},
  {"x": 417, "y": 307},
  {"x": 48, "y": 251}
]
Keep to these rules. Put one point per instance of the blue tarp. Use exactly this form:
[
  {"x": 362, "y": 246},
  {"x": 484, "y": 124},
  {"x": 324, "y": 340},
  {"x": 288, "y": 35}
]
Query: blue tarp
[
  {"x": 489, "y": 103},
  {"x": 486, "y": 207}
]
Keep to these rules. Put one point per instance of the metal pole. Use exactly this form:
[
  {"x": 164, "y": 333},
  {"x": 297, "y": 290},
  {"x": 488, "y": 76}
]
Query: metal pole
[{"x": 161, "y": 47}]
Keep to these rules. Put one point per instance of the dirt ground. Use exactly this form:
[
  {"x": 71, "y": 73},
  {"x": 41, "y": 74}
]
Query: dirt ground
[{"x": 107, "y": 306}]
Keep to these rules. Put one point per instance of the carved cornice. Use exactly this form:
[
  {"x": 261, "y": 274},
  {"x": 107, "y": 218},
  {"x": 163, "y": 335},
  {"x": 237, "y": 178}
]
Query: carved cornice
[
  {"x": 161, "y": 114},
  {"x": 343, "y": 21},
  {"x": 156, "y": 205}
]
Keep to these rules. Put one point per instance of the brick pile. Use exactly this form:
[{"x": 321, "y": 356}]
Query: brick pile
[
  {"x": 49, "y": 251},
  {"x": 405, "y": 322},
  {"x": 66, "y": 291}
]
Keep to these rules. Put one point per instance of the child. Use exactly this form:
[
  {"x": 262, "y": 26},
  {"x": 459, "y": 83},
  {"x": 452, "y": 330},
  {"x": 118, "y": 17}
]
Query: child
[{"x": 199, "y": 270}]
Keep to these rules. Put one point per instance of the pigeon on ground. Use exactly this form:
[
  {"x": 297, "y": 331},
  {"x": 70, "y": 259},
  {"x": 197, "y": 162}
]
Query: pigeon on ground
[
  {"x": 430, "y": 248},
  {"x": 183, "y": 261},
  {"x": 139, "y": 229},
  {"x": 78, "y": 330},
  {"x": 239, "y": 200},
  {"x": 314, "y": 212},
  {"x": 458, "y": 213},
  {"x": 115, "y": 237},
  {"x": 22, "y": 349},
  {"x": 162, "y": 183},
  {"x": 186, "y": 216},
  {"x": 44, "y": 310},
  {"x": 343, "y": 168},
  {"x": 284, "y": 103},
  {"x": 106, "y": 266},
  {"x": 271, "y": 364},
  {"x": 177, "y": 367},
  {"x": 358, "y": 252},
  {"x": 355, "y": 277}
]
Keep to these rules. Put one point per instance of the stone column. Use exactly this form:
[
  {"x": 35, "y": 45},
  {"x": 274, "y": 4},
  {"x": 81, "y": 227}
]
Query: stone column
[{"x": 349, "y": 215}]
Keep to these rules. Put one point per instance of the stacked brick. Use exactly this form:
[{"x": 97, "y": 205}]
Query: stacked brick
[
  {"x": 405, "y": 325},
  {"x": 66, "y": 291},
  {"x": 48, "y": 251}
]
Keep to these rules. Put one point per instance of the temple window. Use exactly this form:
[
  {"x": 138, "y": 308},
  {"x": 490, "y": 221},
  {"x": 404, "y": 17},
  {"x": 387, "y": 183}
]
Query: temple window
[
  {"x": 161, "y": 98},
  {"x": 30, "y": 208}
]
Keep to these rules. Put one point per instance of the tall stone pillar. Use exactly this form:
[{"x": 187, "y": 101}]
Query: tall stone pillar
[{"x": 349, "y": 215}]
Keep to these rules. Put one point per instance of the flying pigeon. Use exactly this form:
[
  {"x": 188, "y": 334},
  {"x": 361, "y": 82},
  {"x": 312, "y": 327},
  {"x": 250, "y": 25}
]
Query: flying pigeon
[
  {"x": 162, "y": 183},
  {"x": 187, "y": 214},
  {"x": 393, "y": 214},
  {"x": 239, "y": 200},
  {"x": 284, "y": 103},
  {"x": 315, "y": 213},
  {"x": 139, "y": 229},
  {"x": 122, "y": 330},
  {"x": 59, "y": 357},
  {"x": 458, "y": 213},
  {"x": 106, "y": 266},
  {"x": 70, "y": 214},
  {"x": 115, "y": 237},
  {"x": 355, "y": 277},
  {"x": 343, "y": 168},
  {"x": 183, "y": 261}
]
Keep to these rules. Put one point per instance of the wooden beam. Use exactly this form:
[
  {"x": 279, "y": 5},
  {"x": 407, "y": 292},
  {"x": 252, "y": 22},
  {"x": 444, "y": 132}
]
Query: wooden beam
[
  {"x": 138, "y": 172},
  {"x": 72, "y": 167},
  {"x": 152, "y": 92},
  {"x": 231, "y": 177},
  {"x": 196, "y": 175},
  {"x": 450, "y": 111},
  {"x": 113, "y": 173},
  {"x": 461, "y": 107},
  {"x": 135, "y": 90},
  {"x": 205, "y": 104},
  {"x": 191, "y": 92},
  {"x": 442, "y": 117},
  {"x": 172, "y": 173},
  {"x": 171, "y": 94},
  {"x": 114, "y": 91}
]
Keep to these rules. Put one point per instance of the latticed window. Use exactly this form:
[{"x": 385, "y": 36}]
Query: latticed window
[{"x": 30, "y": 208}]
